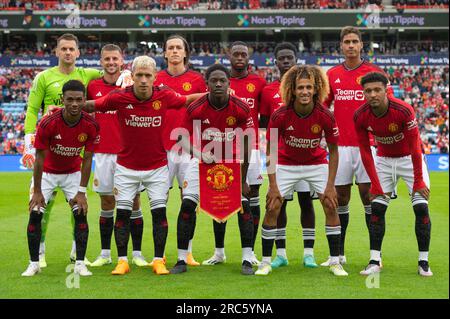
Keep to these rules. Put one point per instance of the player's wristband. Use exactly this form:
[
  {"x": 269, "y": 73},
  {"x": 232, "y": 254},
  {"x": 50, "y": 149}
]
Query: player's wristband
[{"x": 82, "y": 189}]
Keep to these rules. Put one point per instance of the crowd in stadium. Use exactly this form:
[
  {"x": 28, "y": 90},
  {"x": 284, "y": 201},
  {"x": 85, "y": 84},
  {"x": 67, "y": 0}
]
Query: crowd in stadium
[
  {"x": 210, "y": 4},
  {"x": 425, "y": 88},
  {"x": 426, "y": 46}
]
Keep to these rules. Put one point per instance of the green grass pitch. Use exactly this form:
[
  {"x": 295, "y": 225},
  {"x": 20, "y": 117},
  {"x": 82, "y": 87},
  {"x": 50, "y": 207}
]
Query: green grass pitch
[{"x": 399, "y": 278}]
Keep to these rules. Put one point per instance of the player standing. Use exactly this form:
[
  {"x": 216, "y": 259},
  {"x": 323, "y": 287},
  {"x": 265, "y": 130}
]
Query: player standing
[
  {"x": 285, "y": 58},
  {"x": 300, "y": 125},
  {"x": 142, "y": 159},
  {"x": 248, "y": 87},
  {"x": 347, "y": 95},
  {"x": 105, "y": 160},
  {"x": 60, "y": 138},
  {"x": 178, "y": 77},
  {"x": 46, "y": 92},
  {"x": 220, "y": 114},
  {"x": 393, "y": 123}
]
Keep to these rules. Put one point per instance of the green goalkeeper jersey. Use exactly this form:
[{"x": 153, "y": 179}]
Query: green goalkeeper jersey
[{"x": 47, "y": 90}]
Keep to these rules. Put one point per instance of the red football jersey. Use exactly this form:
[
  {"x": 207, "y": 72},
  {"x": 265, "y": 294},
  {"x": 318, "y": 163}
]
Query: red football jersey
[
  {"x": 218, "y": 124},
  {"x": 392, "y": 130},
  {"x": 63, "y": 143},
  {"x": 347, "y": 93},
  {"x": 140, "y": 124},
  {"x": 299, "y": 137},
  {"x": 270, "y": 98},
  {"x": 249, "y": 89},
  {"x": 110, "y": 141},
  {"x": 396, "y": 134},
  {"x": 189, "y": 82}
]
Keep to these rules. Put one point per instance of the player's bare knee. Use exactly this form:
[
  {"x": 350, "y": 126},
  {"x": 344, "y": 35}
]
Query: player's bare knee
[{"x": 108, "y": 202}]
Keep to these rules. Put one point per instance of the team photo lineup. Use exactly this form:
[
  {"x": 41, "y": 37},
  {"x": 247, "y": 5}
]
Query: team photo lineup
[{"x": 224, "y": 143}]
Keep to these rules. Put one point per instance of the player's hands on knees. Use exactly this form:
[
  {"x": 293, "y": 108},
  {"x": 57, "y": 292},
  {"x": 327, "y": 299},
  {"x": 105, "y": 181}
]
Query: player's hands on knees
[
  {"x": 274, "y": 200},
  {"x": 425, "y": 192},
  {"x": 37, "y": 201},
  {"x": 81, "y": 200},
  {"x": 245, "y": 190},
  {"x": 330, "y": 196}
]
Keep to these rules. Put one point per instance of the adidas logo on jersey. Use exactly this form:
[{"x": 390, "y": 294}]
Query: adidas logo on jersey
[
  {"x": 58, "y": 137},
  {"x": 276, "y": 96},
  {"x": 370, "y": 129},
  {"x": 99, "y": 94},
  {"x": 206, "y": 121},
  {"x": 130, "y": 107},
  {"x": 56, "y": 85},
  {"x": 337, "y": 80},
  {"x": 290, "y": 128}
]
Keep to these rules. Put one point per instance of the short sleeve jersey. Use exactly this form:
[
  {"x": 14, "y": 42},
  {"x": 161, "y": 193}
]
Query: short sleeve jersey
[
  {"x": 110, "y": 141},
  {"x": 189, "y": 82},
  {"x": 140, "y": 125},
  {"x": 219, "y": 125},
  {"x": 64, "y": 143},
  {"x": 347, "y": 94},
  {"x": 299, "y": 137}
]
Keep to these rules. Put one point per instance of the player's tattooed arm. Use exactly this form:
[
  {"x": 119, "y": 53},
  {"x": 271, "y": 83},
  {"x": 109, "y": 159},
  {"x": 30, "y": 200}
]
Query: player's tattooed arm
[
  {"x": 330, "y": 190},
  {"x": 37, "y": 200},
  {"x": 80, "y": 197}
]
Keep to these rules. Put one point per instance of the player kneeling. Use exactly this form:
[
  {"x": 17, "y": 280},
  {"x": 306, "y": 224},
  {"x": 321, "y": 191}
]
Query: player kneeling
[
  {"x": 393, "y": 124},
  {"x": 60, "y": 138},
  {"x": 300, "y": 125}
]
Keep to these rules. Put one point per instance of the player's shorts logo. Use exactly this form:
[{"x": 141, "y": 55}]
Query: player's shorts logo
[
  {"x": 96, "y": 182},
  {"x": 316, "y": 128},
  {"x": 220, "y": 178},
  {"x": 231, "y": 120},
  {"x": 251, "y": 87},
  {"x": 115, "y": 191},
  {"x": 82, "y": 137},
  {"x": 393, "y": 128},
  {"x": 187, "y": 86},
  {"x": 156, "y": 105}
]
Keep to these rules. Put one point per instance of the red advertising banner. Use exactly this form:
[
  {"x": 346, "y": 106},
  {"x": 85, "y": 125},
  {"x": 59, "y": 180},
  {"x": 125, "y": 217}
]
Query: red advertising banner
[{"x": 220, "y": 190}]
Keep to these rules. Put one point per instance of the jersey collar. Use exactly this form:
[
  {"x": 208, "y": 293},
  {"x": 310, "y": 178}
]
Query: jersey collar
[{"x": 348, "y": 69}]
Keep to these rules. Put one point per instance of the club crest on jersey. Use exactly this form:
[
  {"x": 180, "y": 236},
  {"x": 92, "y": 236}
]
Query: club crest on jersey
[
  {"x": 185, "y": 184},
  {"x": 115, "y": 191},
  {"x": 393, "y": 127},
  {"x": 82, "y": 137},
  {"x": 95, "y": 182},
  {"x": 187, "y": 86},
  {"x": 251, "y": 87},
  {"x": 316, "y": 128},
  {"x": 358, "y": 79},
  {"x": 220, "y": 178},
  {"x": 156, "y": 105},
  {"x": 231, "y": 120}
]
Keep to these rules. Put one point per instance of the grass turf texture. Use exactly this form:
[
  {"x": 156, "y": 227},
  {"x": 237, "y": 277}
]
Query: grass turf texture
[{"x": 399, "y": 278}]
